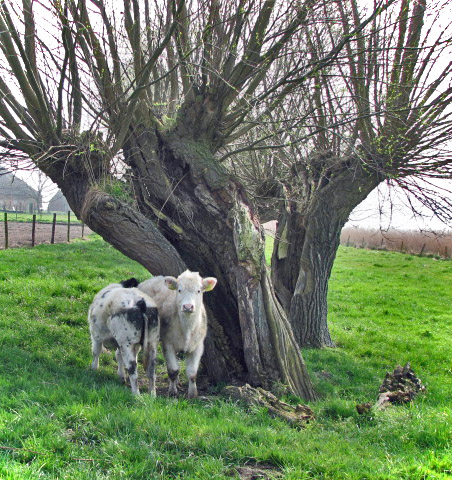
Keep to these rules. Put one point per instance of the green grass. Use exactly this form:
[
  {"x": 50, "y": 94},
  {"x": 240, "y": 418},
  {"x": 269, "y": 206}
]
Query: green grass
[
  {"x": 66, "y": 421},
  {"x": 40, "y": 217}
]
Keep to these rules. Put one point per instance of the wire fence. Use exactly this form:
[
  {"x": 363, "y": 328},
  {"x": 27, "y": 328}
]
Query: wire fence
[{"x": 32, "y": 229}]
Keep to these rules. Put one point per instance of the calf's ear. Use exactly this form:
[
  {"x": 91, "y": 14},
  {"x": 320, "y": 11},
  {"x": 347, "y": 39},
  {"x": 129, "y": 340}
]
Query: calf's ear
[
  {"x": 171, "y": 283},
  {"x": 208, "y": 283}
]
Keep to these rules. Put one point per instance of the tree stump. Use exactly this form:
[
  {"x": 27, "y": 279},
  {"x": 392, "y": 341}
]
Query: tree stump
[{"x": 398, "y": 387}]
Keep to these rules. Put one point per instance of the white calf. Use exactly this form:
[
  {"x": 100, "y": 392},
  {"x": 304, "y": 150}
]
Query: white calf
[
  {"x": 125, "y": 319},
  {"x": 183, "y": 322}
]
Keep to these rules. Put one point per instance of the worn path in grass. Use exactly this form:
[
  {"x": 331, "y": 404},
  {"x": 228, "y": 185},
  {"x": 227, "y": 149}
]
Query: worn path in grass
[{"x": 61, "y": 420}]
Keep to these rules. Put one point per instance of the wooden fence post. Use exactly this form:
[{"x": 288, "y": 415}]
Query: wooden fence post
[
  {"x": 348, "y": 241},
  {"x": 446, "y": 252},
  {"x": 401, "y": 247},
  {"x": 52, "y": 238},
  {"x": 83, "y": 229},
  {"x": 422, "y": 250},
  {"x": 33, "y": 231},
  {"x": 68, "y": 226},
  {"x": 6, "y": 230}
]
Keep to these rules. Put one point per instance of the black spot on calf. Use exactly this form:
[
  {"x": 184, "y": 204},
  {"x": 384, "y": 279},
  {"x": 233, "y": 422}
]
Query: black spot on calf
[
  {"x": 132, "y": 367},
  {"x": 153, "y": 316},
  {"x": 130, "y": 283},
  {"x": 135, "y": 317}
]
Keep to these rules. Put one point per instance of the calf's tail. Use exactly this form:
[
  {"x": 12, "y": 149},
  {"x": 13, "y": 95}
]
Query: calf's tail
[{"x": 151, "y": 322}]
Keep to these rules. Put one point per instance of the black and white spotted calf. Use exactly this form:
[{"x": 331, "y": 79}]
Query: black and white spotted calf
[{"x": 125, "y": 318}]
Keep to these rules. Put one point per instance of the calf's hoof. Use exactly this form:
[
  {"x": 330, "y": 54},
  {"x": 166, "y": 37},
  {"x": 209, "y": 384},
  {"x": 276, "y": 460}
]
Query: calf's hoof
[
  {"x": 192, "y": 388},
  {"x": 192, "y": 393},
  {"x": 172, "y": 392}
]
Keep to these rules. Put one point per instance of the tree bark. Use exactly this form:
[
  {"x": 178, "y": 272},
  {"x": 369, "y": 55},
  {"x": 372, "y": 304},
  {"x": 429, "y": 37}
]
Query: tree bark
[{"x": 307, "y": 239}]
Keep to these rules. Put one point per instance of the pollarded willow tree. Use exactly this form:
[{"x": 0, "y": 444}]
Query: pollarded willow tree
[
  {"x": 163, "y": 86},
  {"x": 163, "y": 94},
  {"x": 380, "y": 112}
]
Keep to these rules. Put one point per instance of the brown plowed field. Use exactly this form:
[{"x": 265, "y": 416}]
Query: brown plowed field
[{"x": 19, "y": 234}]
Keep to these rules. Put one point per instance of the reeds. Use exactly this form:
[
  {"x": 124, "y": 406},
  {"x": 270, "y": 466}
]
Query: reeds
[{"x": 419, "y": 243}]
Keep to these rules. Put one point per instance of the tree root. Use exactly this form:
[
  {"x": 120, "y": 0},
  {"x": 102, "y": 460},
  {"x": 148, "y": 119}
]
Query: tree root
[{"x": 297, "y": 416}]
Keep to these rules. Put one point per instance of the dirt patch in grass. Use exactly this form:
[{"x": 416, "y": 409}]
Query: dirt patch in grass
[
  {"x": 255, "y": 472},
  {"x": 19, "y": 233}
]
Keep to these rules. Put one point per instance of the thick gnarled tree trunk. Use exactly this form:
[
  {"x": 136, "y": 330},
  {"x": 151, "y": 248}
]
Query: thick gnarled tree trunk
[
  {"x": 307, "y": 239},
  {"x": 191, "y": 214}
]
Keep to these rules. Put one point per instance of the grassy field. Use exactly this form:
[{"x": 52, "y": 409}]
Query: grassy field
[
  {"x": 59, "y": 420},
  {"x": 40, "y": 217}
]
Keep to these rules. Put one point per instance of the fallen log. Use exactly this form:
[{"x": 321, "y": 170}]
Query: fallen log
[{"x": 298, "y": 415}]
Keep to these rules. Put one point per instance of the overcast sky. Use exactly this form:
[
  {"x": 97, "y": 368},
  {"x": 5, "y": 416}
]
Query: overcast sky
[{"x": 384, "y": 209}]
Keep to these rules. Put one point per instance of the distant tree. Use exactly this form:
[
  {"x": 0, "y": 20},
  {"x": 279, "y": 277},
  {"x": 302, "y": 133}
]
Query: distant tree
[{"x": 43, "y": 186}]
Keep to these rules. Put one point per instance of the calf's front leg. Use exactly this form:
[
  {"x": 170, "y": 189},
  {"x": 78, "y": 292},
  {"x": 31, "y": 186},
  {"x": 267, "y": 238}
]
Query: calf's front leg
[
  {"x": 172, "y": 367},
  {"x": 192, "y": 360}
]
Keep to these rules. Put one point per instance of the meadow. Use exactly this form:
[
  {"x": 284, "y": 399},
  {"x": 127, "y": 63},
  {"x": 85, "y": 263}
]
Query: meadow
[{"x": 60, "y": 420}]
